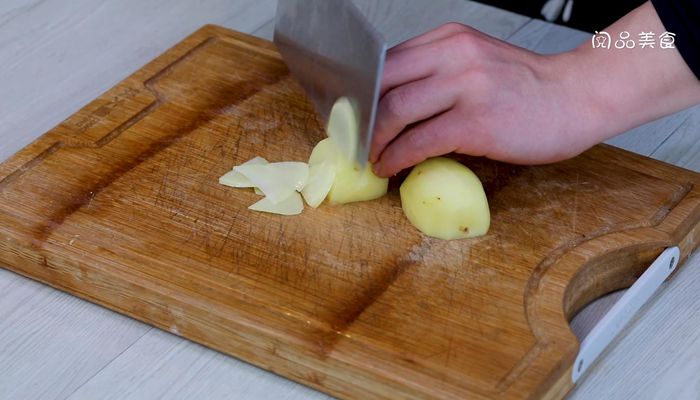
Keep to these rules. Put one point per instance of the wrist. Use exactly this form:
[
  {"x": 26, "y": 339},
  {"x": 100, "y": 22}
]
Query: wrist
[
  {"x": 591, "y": 114},
  {"x": 615, "y": 90}
]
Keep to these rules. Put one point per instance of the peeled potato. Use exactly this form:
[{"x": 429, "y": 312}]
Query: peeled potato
[
  {"x": 354, "y": 184},
  {"x": 351, "y": 183},
  {"x": 444, "y": 199},
  {"x": 332, "y": 171}
]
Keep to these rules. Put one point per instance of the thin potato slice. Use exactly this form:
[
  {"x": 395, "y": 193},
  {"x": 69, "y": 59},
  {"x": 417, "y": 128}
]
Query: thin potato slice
[
  {"x": 321, "y": 177},
  {"x": 325, "y": 152},
  {"x": 293, "y": 205},
  {"x": 238, "y": 180},
  {"x": 278, "y": 181},
  {"x": 344, "y": 128}
]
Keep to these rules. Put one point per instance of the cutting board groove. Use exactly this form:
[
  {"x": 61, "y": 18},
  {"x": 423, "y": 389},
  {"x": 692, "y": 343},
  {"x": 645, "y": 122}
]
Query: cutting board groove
[{"x": 120, "y": 205}]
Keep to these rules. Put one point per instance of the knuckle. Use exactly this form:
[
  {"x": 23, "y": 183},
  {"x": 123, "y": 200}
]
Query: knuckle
[
  {"x": 463, "y": 40},
  {"x": 473, "y": 44},
  {"x": 455, "y": 27},
  {"x": 457, "y": 47}
]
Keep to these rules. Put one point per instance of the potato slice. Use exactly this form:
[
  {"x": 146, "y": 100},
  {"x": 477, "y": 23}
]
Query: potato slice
[
  {"x": 325, "y": 152},
  {"x": 321, "y": 177},
  {"x": 238, "y": 180},
  {"x": 293, "y": 205},
  {"x": 332, "y": 171},
  {"x": 444, "y": 199},
  {"x": 278, "y": 181},
  {"x": 344, "y": 128}
]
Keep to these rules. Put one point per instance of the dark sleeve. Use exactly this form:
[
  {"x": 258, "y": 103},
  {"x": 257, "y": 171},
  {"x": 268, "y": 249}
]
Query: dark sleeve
[{"x": 682, "y": 17}]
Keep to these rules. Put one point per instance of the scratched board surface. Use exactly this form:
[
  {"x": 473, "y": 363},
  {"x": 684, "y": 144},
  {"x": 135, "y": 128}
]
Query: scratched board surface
[{"x": 120, "y": 205}]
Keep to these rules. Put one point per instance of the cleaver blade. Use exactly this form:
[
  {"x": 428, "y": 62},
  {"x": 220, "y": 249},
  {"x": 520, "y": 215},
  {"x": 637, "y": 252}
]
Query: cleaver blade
[{"x": 333, "y": 51}]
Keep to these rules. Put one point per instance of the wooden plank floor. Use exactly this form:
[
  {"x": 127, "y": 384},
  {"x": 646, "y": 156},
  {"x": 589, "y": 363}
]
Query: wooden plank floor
[{"x": 56, "y": 56}]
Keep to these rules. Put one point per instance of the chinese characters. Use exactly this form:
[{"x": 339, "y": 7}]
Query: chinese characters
[{"x": 625, "y": 40}]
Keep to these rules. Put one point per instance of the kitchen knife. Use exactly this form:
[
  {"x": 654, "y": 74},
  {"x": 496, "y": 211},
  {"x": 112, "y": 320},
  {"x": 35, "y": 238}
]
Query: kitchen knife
[{"x": 333, "y": 51}]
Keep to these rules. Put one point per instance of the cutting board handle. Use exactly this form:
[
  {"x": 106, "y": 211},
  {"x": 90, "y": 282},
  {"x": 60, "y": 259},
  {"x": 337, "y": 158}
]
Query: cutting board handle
[{"x": 612, "y": 324}]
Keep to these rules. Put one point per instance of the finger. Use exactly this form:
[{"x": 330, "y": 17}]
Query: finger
[
  {"x": 438, "y": 33},
  {"x": 407, "y": 66},
  {"x": 408, "y": 104},
  {"x": 435, "y": 137},
  {"x": 423, "y": 58}
]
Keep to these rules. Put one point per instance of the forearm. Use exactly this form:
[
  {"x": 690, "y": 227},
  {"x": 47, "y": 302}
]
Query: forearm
[{"x": 624, "y": 88}]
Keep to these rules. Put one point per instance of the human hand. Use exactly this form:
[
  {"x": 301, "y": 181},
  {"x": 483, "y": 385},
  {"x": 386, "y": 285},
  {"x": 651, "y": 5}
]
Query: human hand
[{"x": 455, "y": 89}]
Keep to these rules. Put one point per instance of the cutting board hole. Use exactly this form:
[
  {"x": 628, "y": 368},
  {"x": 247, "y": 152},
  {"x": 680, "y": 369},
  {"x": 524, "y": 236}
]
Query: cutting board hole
[{"x": 589, "y": 316}]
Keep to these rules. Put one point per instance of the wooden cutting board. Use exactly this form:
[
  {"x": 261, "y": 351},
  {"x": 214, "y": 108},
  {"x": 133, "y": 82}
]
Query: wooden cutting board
[{"x": 120, "y": 205}]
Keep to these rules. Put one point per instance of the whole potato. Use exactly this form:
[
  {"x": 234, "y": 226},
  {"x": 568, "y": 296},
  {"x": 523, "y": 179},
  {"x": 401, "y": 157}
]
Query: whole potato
[{"x": 444, "y": 199}]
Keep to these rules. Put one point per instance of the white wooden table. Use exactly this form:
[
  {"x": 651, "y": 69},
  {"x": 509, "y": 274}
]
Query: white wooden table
[{"x": 56, "y": 56}]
